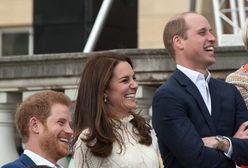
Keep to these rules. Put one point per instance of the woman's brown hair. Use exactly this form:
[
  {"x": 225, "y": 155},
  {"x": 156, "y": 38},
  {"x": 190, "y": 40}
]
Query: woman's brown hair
[{"x": 91, "y": 112}]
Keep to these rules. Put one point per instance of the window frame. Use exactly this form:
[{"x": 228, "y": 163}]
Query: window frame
[{"x": 16, "y": 30}]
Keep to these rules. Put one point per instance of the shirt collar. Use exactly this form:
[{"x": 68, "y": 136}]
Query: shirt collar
[
  {"x": 127, "y": 118},
  {"x": 194, "y": 76},
  {"x": 37, "y": 159}
]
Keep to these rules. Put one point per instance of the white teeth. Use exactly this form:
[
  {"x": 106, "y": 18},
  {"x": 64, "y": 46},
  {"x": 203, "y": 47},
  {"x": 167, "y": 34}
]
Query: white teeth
[
  {"x": 64, "y": 140},
  {"x": 209, "y": 48},
  {"x": 130, "y": 96}
]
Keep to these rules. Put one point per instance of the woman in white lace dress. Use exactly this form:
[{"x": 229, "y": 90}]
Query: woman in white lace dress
[{"x": 109, "y": 134}]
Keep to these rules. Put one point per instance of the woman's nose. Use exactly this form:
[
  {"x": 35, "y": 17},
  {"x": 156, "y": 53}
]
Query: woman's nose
[{"x": 134, "y": 84}]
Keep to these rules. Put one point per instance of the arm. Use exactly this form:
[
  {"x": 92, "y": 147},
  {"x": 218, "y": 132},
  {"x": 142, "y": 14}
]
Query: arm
[
  {"x": 239, "y": 139},
  {"x": 213, "y": 142},
  {"x": 175, "y": 129}
]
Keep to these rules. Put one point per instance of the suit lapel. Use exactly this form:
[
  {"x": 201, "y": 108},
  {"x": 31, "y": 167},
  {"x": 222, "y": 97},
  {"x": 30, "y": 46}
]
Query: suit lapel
[
  {"x": 191, "y": 89},
  {"x": 215, "y": 101},
  {"x": 26, "y": 160}
]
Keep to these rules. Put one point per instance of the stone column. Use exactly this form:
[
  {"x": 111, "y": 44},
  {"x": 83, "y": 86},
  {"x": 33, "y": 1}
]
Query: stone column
[
  {"x": 144, "y": 97},
  {"x": 71, "y": 93},
  {"x": 8, "y": 102}
]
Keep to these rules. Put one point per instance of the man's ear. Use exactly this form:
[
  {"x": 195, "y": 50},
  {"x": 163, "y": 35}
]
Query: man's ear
[
  {"x": 34, "y": 125},
  {"x": 177, "y": 41}
]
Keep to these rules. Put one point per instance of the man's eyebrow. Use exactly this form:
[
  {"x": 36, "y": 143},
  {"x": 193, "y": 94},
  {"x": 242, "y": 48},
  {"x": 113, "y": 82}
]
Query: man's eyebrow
[{"x": 206, "y": 28}]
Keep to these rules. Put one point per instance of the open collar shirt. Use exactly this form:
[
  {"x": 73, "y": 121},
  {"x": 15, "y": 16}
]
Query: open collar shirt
[
  {"x": 201, "y": 83},
  {"x": 38, "y": 160}
]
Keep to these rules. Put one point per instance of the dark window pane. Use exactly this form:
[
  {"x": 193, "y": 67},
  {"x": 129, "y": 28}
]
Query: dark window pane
[{"x": 14, "y": 44}]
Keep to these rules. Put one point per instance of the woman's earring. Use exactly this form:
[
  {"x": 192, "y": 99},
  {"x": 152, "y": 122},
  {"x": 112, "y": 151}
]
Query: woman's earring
[{"x": 105, "y": 98}]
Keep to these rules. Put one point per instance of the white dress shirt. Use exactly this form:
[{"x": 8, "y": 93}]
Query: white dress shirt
[
  {"x": 38, "y": 160},
  {"x": 201, "y": 83}
]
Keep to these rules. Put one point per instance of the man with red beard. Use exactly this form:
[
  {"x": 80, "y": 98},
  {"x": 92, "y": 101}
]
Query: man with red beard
[{"x": 44, "y": 123}]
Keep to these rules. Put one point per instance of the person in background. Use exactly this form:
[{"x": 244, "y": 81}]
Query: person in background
[
  {"x": 240, "y": 77},
  {"x": 200, "y": 122},
  {"x": 108, "y": 131},
  {"x": 44, "y": 123}
]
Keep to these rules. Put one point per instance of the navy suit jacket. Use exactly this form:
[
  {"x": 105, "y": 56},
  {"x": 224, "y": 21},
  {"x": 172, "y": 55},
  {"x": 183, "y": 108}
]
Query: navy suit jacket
[
  {"x": 23, "y": 162},
  {"x": 180, "y": 119}
]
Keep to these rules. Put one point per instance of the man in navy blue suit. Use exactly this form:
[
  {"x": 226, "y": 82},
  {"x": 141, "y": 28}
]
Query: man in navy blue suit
[
  {"x": 44, "y": 123},
  {"x": 200, "y": 122}
]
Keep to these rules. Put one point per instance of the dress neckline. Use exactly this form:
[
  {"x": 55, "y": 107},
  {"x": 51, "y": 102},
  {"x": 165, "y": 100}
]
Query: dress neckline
[{"x": 127, "y": 118}]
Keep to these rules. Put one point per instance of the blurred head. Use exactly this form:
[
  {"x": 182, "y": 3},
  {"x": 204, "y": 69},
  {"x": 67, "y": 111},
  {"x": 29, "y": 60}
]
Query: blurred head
[
  {"x": 189, "y": 39},
  {"x": 245, "y": 33},
  {"x": 44, "y": 122}
]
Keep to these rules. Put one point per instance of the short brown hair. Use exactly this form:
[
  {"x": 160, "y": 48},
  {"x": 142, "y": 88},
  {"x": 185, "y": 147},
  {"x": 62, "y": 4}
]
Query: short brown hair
[
  {"x": 37, "y": 105},
  {"x": 176, "y": 26}
]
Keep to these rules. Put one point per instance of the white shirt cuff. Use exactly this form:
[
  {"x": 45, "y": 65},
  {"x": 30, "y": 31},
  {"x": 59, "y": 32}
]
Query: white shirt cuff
[{"x": 230, "y": 150}]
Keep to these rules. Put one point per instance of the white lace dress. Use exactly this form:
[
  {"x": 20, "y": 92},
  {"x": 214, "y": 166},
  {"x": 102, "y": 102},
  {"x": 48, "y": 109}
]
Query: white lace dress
[{"x": 134, "y": 155}]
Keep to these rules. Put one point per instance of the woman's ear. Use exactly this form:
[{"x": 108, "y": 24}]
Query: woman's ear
[{"x": 106, "y": 92}]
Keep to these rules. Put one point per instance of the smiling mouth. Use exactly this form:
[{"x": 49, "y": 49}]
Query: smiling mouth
[
  {"x": 65, "y": 141},
  {"x": 130, "y": 96},
  {"x": 209, "y": 49}
]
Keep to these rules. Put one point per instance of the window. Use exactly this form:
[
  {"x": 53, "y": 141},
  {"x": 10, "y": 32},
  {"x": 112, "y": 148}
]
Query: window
[{"x": 16, "y": 41}]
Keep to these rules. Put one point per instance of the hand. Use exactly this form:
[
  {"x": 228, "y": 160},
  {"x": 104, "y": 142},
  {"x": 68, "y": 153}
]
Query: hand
[
  {"x": 242, "y": 132},
  {"x": 210, "y": 142}
]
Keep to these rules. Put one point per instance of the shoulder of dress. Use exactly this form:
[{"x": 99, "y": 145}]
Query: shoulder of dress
[
  {"x": 85, "y": 133},
  {"x": 82, "y": 135}
]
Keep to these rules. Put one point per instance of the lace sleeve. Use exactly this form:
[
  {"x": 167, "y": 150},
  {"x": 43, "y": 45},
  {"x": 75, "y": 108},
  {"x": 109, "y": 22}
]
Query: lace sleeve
[
  {"x": 83, "y": 158},
  {"x": 154, "y": 141}
]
